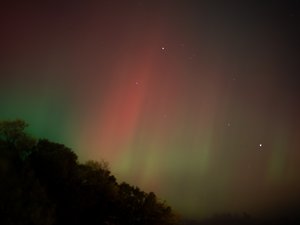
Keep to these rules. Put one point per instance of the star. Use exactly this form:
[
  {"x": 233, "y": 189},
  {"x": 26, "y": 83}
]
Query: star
[
  {"x": 163, "y": 48},
  {"x": 260, "y": 145}
]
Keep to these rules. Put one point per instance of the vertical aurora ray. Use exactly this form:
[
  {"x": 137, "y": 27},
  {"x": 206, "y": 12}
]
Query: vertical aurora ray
[
  {"x": 119, "y": 114},
  {"x": 277, "y": 165}
]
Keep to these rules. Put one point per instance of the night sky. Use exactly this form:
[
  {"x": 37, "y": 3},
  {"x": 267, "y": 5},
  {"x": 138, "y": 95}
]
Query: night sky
[{"x": 198, "y": 101}]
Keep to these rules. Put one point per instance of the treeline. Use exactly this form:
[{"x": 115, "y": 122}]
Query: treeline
[{"x": 42, "y": 182}]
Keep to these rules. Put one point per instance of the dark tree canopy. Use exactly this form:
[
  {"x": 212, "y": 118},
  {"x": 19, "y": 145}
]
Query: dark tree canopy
[
  {"x": 42, "y": 183},
  {"x": 14, "y": 137}
]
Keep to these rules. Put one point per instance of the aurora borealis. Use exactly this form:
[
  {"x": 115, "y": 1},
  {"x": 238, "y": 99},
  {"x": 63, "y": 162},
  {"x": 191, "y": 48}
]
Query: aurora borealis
[{"x": 197, "y": 101}]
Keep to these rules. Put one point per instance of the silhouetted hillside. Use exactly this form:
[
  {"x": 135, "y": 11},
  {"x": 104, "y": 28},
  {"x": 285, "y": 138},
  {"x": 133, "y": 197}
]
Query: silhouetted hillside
[{"x": 43, "y": 183}]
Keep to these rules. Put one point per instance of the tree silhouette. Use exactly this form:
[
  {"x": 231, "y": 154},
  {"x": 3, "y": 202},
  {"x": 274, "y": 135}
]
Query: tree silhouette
[
  {"x": 42, "y": 182},
  {"x": 23, "y": 200},
  {"x": 17, "y": 142}
]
